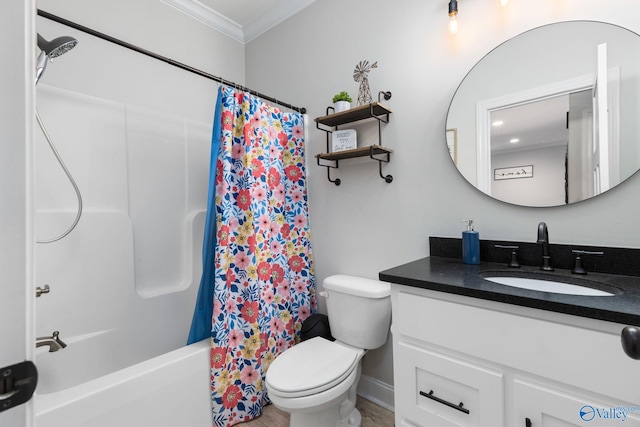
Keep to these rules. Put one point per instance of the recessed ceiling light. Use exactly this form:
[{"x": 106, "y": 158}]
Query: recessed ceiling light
[
  {"x": 514, "y": 140},
  {"x": 498, "y": 123}
]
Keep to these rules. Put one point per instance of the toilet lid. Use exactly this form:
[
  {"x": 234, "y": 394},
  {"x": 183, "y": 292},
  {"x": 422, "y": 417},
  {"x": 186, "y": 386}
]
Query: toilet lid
[{"x": 311, "y": 367}]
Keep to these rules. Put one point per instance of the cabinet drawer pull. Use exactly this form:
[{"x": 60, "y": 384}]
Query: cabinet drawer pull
[{"x": 459, "y": 407}]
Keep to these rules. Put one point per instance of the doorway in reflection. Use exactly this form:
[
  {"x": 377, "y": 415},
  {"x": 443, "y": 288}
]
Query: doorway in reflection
[
  {"x": 541, "y": 150},
  {"x": 557, "y": 149}
]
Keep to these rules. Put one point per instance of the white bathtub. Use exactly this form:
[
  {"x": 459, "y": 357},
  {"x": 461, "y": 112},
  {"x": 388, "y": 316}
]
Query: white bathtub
[{"x": 171, "y": 390}]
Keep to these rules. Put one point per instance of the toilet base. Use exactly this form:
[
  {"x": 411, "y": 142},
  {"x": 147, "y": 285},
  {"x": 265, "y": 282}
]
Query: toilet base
[
  {"x": 353, "y": 420},
  {"x": 325, "y": 418}
]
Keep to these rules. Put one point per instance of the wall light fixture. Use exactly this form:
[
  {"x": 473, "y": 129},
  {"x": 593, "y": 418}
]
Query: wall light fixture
[{"x": 453, "y": 16}]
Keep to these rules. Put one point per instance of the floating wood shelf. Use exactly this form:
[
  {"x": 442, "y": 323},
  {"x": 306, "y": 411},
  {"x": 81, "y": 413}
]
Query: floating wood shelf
[
  {"x": 373, "y": 110},
  {"x": 372, "y": 150}
]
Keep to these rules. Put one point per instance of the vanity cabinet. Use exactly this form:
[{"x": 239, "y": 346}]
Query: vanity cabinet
[{"x": 508, "y": 365}]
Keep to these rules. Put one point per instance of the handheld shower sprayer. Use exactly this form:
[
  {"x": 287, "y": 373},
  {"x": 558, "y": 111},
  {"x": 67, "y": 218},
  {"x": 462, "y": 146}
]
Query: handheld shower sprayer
[
  {"x": 49, "y": 50},
  {"x": 52, "y": 49},
  {"x": 58, "y": 46}
]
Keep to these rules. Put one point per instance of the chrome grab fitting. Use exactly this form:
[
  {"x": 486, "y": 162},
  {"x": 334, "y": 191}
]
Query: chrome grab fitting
[{"x": 42, "y": 290}]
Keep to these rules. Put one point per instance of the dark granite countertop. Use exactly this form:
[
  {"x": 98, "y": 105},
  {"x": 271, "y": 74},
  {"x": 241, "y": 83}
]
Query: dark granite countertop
[{"x": 450, "y": 275}]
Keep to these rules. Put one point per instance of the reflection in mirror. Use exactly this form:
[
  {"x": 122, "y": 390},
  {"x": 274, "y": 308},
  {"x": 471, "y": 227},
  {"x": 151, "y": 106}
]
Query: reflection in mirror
[{"x": 549, "y": 117}]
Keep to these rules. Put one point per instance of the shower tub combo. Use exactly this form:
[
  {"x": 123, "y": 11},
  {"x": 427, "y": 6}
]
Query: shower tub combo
[{"x": 123, "y": 282}]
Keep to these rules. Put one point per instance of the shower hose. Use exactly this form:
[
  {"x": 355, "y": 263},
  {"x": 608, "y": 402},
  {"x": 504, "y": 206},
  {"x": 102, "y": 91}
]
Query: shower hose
[{"x": 71, "y": 180}]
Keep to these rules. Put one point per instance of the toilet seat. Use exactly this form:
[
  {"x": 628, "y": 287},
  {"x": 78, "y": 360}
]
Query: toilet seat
[{"x": 311, "y": 367}]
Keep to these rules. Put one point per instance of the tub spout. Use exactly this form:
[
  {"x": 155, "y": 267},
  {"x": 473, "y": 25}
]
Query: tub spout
[{"x": 54, "y": 342}]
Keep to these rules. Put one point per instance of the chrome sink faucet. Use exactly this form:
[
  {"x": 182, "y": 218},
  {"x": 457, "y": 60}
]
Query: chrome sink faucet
[
  {"x": 543, "y": 239},
  {"x": 54, "y": 342}
]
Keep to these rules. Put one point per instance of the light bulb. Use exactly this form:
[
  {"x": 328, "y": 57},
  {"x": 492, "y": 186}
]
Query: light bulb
[
  {"x": 453, "y": 23},
  {"x": 504, "y": 3},
  {"x": 453, "y": 16}
]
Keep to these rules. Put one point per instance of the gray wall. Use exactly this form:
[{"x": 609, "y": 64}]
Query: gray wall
[
  {"x": 308, "y": 58},
  {"x": 151, "y": 25}
]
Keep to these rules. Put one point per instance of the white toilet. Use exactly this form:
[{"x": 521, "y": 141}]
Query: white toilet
[{"x": 315, "y": 380}]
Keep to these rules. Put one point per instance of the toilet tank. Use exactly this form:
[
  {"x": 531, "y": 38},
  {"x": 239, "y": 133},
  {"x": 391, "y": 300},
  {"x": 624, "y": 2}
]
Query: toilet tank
[{"x": 359, "y": 310}]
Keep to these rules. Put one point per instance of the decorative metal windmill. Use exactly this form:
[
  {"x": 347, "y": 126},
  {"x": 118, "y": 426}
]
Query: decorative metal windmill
[{"x": 360, "y": 74}]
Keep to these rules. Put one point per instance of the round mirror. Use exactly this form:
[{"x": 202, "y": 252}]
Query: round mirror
[{"x": 551, "y": 116}]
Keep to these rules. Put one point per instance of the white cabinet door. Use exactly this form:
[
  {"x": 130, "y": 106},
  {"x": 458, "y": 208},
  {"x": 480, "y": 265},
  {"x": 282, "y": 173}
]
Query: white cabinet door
[
  {"x": 541, "y": 406},
  {"x": 437, "y": 390}
]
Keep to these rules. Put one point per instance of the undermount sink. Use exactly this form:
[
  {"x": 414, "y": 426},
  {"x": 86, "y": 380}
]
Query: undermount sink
[{"x": 545, "y": 283}]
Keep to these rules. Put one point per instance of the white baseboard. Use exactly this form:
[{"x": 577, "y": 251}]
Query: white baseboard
[{"x": 376, "y": 391}]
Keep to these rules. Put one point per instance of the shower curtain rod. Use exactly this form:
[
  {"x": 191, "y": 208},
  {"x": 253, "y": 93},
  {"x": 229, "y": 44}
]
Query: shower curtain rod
[{"x": 169, "y": 61}]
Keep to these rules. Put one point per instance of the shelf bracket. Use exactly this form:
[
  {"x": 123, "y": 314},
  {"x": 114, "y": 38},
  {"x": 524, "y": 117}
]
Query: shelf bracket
[
  {"x": 335, "y": 162},
  {"x": 329, "y": 167},
  {"x": 387, "y": 178},
  {"x": 381, "y": 118}
]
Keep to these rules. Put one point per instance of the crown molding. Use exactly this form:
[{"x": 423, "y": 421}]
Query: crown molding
[
  {"x": 210, "y": 17},
  {"x": 273, "y": 17},
  {"x": 248, "y": 32}
]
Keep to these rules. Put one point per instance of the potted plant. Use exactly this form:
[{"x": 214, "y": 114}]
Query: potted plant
[{"x": 341, "y": 101}]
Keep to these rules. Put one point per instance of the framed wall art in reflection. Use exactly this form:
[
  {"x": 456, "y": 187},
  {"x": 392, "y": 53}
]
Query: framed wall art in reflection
[
  {"x": 452, "y": 144},
  {"x": 514, "y": 172}
]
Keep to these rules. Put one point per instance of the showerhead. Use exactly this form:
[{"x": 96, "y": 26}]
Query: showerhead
[
  {"x": 56, "y": 47},
  {"x": 52, "y": 49}
]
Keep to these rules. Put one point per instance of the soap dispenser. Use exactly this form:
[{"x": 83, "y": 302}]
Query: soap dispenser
[{"x": 470, "y": 244}]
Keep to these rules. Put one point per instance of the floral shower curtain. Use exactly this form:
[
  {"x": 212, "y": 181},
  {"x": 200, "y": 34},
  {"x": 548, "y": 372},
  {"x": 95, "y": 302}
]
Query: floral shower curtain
[{"x": 263, "y": 284}]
